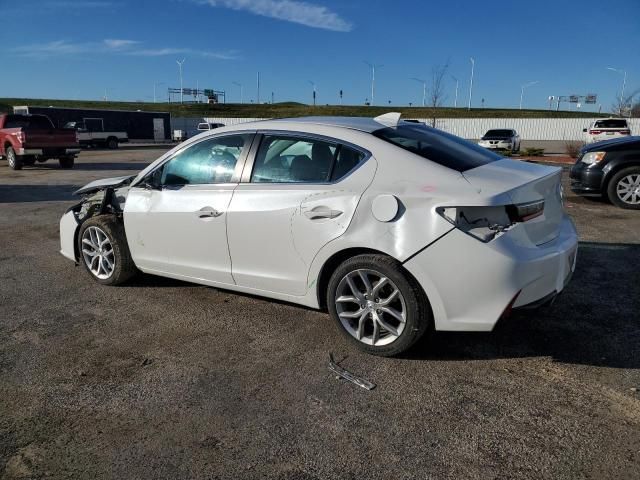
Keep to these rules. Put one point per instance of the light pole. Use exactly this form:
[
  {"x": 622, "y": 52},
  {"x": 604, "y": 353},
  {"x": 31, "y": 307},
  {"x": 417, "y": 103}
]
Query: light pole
[
  {"x": 373, "y": 78},
  {"x": 522, "y": 87},
  {"x": 239, "y": 85},
  {"x": 473, "y": 64},
  {"x": 424, "y": 90},
  {"x": 155, "y": 84},
  {"x": 624, "y": 83},
  {"x": 180, "y": 67},
  {"x": 314, "y": 91},
  {"x": 455, "y": 101},
  {"x": 258, "y": 88}
]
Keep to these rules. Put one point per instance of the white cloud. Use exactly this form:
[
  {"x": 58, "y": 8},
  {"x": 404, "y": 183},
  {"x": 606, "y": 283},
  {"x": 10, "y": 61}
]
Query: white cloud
[
  {"x": 295, "y": 11},
  {"x": 112, "y": 46},
  {"x": 119, "y": 44}
]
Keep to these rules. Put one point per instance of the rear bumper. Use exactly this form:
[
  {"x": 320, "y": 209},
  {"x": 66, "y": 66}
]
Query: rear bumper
[
  {"x": 470, "y": 284},
  {"x": 48, "y": 151}
]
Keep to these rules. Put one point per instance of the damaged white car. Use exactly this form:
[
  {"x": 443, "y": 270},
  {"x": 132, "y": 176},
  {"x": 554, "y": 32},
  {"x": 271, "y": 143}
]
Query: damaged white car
[{"x": 394, "y": 227}]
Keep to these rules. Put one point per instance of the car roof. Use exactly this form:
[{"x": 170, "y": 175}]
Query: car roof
[{"x": 363, "y": 124}]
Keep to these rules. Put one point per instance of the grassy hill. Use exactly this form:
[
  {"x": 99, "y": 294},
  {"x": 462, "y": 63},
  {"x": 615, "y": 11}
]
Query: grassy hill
[{"x": 292, "y": 109}]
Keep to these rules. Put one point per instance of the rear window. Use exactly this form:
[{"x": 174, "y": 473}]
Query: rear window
[
  {"x": 440, "y": 147},
  {"x": 33, "y": 122},
  {"x": 611, "y": 124}
]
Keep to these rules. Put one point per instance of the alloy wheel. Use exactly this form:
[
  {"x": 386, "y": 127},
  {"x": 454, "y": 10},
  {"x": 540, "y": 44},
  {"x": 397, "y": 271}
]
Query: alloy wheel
[
  {"x": 371, "y": 307},
  {"x": 628, "y": 189},
  {"x": 11, "y": 158},
  {"x": 97, "y": 252}
]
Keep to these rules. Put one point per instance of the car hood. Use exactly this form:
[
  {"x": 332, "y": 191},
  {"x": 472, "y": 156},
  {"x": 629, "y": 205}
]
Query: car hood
[
  {"x": 615, "y": 142},
  {"x": 104, "y": 183}
]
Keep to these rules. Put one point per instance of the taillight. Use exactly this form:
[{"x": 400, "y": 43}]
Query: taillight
[
  {"x": 77, "y": 137},
  {"x": 487, "y": 223},
  {"x": 594, "y": 132},
  {"x": 20, "y": 137},
  {"x": 525, "y": 211}
]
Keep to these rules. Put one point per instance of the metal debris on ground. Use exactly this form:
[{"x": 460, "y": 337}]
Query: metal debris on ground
[{"x": 341, "y": 372}]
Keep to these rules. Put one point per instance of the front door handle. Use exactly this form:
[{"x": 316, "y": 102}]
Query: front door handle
[
  {"x": 208, "y": 212},
  {"x": 322, "y": 212}
]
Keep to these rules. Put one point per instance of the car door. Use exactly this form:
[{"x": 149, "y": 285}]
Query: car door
[
  {"x": 299, "y": 193},
  {"x": 175, "y": 218}
]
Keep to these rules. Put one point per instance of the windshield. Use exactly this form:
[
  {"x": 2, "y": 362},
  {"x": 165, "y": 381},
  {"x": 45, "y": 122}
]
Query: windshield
[
  {"x": 440, "y": 147},
  {"x": 498, "y": 133}
]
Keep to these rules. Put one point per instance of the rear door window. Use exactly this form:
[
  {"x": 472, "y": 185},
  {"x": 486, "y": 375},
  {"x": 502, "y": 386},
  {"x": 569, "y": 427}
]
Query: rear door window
[
  {"x": 28, "y": 122},
  {"x": 289, "y": 159},
  {"x": 439, "y": 147}
]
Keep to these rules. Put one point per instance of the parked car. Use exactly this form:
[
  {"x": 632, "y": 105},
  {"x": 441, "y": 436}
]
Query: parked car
[
  {"x": 208, "y": 126},
  {"x": 396, "y": 228},
  {"x": 26, "y": 139},
  {"x": 607, "y": 129},
  {"x": 501, "y": 139},
  {"x": 609, "y": 169},
  {"x": 90, "y": 137}
]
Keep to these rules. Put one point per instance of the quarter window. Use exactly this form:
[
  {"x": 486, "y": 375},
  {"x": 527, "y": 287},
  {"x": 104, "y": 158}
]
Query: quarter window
[
  {"x": 283, "y": 159},
  {"x": 206, "y": 162}
]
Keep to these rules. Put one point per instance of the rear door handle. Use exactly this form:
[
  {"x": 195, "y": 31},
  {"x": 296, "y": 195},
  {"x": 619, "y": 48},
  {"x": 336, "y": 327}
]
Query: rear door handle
[
  {"x": 208, "y": 212},
  {"x": 322, "y": 212}
]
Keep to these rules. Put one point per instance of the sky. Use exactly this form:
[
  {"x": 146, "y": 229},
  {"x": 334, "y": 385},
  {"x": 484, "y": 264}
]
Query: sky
[{"x": 80, "y": 49}]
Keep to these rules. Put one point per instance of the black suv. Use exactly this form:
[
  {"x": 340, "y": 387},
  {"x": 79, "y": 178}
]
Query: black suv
[{"x": 610, "y": 169}]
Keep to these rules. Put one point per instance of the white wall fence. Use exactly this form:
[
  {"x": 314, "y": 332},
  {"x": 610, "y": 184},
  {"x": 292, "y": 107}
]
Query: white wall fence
[{"x": 547, "y": 129}]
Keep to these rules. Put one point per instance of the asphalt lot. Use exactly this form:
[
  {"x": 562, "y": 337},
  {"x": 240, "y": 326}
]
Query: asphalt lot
[{"x": 163, "y": 379}]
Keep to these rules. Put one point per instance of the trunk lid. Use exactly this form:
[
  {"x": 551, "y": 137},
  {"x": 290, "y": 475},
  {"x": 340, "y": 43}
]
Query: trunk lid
[{"x": 524, "y": 183}]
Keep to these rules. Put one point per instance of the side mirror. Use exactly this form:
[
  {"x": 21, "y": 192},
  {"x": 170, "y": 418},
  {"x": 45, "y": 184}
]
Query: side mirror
[
  {"x": 153, "y": 181},
  {"x": 584, "y": 130}
]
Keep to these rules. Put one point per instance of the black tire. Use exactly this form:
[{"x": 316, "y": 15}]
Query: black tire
[
  {"x": 112, "y": 143},
  {"x": 123, "y": 266},
  {"x": 614, "y": 194},
  {"x": 66, "y": 162},
  {"x": 14, "y": 160},
  {"x": 418, "y": 318}
]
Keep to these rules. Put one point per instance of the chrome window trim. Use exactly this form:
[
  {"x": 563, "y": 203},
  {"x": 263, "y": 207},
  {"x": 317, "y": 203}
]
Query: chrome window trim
[{"x": 260, "y": 134}]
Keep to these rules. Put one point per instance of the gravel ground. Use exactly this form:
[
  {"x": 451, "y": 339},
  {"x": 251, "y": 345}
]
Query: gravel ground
[{"x": 163, "y": 379}]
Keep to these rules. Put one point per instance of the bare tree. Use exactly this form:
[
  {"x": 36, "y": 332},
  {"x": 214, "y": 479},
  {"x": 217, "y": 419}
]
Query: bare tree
[
  {"x": 436, "y": 90},
  {"x": 623, "y": 106}
]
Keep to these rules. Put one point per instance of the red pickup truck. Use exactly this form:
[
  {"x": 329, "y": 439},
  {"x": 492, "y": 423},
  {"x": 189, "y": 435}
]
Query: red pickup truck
[{"x": 25, "y": 139}]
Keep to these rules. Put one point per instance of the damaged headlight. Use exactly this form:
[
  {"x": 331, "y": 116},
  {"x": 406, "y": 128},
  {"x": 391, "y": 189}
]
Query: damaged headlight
[{"x": 487, "y": 223}]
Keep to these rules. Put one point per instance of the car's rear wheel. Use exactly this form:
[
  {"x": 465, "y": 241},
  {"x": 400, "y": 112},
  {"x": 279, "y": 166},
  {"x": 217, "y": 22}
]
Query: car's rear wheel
[
  {"x": 624, "y": 188},
  {"x": 112, "y": 143},
  {"x": 378, "y": 305},
  {"x": 14, "y": 161},
  {"x": 104, "y": 251}
]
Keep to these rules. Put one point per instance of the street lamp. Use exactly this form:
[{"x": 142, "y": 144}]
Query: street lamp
[
  {"x": 424, "y": 90},
  {"x": 155, "y": 84},
  {"x": 526, "y": 85},
  {"x": 239, "y": 85},
  {"x": 373, "y": 78},
  {"x": 180, "y": 67},
  {"x": 473, "y": 64},
  {"x": 455, "y": 101},
  {"x": 624, "y": 83},
  {"x": 314, "y": 91}
]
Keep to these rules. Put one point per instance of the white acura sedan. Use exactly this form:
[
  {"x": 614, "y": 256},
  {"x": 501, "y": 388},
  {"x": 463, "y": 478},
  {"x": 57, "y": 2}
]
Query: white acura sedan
[{"x": 394, "y": 227}]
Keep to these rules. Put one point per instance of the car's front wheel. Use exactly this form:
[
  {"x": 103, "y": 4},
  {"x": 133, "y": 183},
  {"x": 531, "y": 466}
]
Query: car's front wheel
[
  {"x": 378, "y": 305},
  {"x": 104, "y": 251},
  {"x": 624, "y": 188}
]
